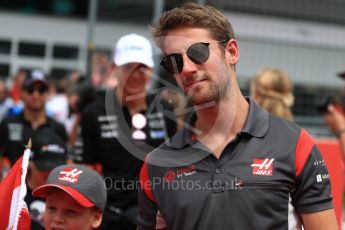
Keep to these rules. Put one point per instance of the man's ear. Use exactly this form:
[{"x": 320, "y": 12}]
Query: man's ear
[
  {"x": 232, "y": 52},
  {"x": 97, "y": 218}
]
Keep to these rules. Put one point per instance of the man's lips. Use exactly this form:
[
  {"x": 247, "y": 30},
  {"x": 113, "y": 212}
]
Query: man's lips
[{"x": 190, "y": 84}]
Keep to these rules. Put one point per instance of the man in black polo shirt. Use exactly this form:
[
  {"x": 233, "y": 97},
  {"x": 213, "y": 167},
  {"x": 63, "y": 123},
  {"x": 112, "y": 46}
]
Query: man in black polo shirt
[
  {"x": 15, "y": 131},
  {"x": 122, "y": 125},
  {"x": 235, "y": 166}
]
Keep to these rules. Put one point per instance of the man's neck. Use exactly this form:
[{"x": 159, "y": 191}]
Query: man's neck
[
  {"x": 35, "y": 118},
  {"x": 217, "y": 125},
  {"x": 134, "y": 103}
]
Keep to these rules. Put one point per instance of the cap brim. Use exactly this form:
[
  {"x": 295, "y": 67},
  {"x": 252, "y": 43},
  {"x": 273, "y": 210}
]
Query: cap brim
[
  {"x": 31, "y": 82},
  {"x": 124, "y": 61},
  {"x": 77, "y": 196}
]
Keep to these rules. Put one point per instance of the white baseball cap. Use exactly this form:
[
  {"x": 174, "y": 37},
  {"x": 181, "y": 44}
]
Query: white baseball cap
[{"x": 133, "y": 48}]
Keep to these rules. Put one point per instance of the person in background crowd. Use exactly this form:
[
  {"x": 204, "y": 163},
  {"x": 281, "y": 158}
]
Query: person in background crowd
[
  {"x": 48, "y": 151},
  {"x": 15, "y": 92},
  {"x": 178, "y": 100},
  {"x": 17, "y": 85},
  {"x": 138, "y": 120},
  {"x": 75, "y": 76},
  {"x": 75, "y": 198},
  {"x": 57, "y": 102},
  {"x": 235, "y": 166},
  {"x": 272, "y": 90},
  {"x": 15, "y": 131},
  {"x": 5, "y": 101},
  {"x": 100, "y": 70},
  {"x": 80, "y": 95},
  {"x": 335, "y": 120}
]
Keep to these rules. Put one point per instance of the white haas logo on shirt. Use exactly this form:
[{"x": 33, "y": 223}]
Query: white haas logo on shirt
[
  {"x": 70, "y": 175},
  {"x": 263, "y": 167}
]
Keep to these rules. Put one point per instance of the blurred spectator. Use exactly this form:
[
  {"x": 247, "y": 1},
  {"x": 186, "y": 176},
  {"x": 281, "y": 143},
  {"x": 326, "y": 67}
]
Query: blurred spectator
[
  {"x": 15, "y": 131},
  {"x": 272, "y": 90},
  {"x": 17, "y": 85},
  {"x": 105, "y": 132},
  {"x": 48, "y": 152},
  {"x": 335, "y": 119},
  {"x": 57, "y": 103},
  {"x": 73, "y": 96},
  {"x": 15, "y": 93},
  {"x": 74, "y": 76},
  {"x": 100, "y": 69},
  {"x": 80, "y": 95},
  {"x": 178, "y": 100},
  {"x": 5, "y": 101}
]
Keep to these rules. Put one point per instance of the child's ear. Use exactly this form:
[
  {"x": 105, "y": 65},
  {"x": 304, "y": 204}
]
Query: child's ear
[{"x": 97, "y": 218}]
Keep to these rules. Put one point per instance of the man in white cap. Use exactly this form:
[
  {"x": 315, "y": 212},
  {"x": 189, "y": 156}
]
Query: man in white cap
[{"x": 120, "y": 127}]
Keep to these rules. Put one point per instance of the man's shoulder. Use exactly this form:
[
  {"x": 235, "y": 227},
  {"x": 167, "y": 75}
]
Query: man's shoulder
[
  {"x": 53, "y": 123},
  {"x": 13, "y": 119},
  {"x": 283, "y": 126},
  {"x": 96, "y": 106},
  {"x": 173, "y": 152}
]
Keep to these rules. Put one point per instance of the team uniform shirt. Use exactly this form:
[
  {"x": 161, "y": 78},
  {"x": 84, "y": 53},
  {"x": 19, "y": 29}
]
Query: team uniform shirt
[
  {"x": 15, "y": 133},
  {"x": 265, "y": 176},
  {"x": 108, "y": 139}
]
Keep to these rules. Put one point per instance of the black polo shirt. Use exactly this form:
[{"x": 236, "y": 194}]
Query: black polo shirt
[
  {"x": 15, "y": 133},
  {"x": 268, "y": 173},
  {"x": 107, "y": 133}
]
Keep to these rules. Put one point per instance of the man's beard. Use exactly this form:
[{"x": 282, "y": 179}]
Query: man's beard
[
  {"x": 35, "y": 109},
  {"x": 215, "y": 91}
]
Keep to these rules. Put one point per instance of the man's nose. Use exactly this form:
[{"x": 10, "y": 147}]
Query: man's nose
[{"x": 188, "y": 66}]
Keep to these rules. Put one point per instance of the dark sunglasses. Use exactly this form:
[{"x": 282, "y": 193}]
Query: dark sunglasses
[
  {"x": 39, "y": 89},
  {"x": 197, "y": 52}
]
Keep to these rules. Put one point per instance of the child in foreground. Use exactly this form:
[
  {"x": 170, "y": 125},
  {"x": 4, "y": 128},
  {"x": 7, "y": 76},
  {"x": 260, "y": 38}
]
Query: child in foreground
[{"x": 75, "y": 198}]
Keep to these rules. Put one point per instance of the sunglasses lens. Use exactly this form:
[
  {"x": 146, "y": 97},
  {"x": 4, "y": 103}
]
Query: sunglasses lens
[
  {"x": 198, "y": 52},
  {"x": 32, "y": 89},
  {"x": 41, "y": 90},
  {"x": 173, "y": 63}
]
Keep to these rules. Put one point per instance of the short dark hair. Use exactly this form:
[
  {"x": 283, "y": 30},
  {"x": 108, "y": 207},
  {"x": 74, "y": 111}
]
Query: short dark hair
[{"x": 193, "y": 15}]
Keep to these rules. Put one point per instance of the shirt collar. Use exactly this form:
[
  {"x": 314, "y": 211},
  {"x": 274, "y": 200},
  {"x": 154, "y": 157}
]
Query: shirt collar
[
  {"x": 257, "y": 120},
  {"x": 256, "y": 125},
  {"x": 24, "y": 120}
]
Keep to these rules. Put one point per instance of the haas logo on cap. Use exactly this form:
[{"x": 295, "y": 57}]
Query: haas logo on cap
[{"x": 70, "y": 175}]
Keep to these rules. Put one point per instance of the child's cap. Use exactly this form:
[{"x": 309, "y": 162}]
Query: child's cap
[{"x": 84, "y": 185}]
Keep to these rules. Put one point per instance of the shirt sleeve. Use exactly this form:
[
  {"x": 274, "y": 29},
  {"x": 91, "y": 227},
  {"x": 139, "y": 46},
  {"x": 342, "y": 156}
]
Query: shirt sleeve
[
  {"x": 148, "y": 217},
  {"x": 313, "y": 190}
]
